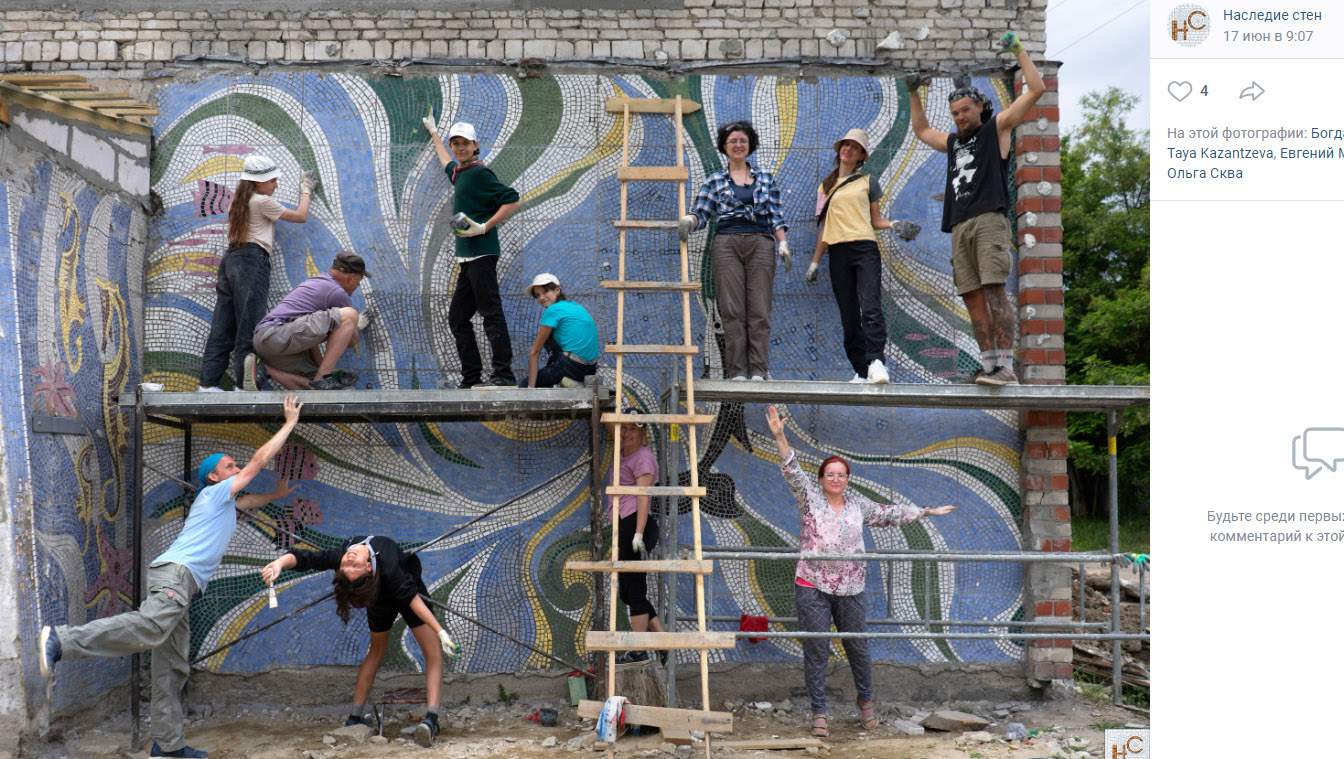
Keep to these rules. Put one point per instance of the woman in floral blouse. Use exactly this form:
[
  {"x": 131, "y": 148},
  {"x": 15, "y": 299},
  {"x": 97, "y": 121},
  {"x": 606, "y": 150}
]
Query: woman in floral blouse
[{"x": 833, "y": 520}]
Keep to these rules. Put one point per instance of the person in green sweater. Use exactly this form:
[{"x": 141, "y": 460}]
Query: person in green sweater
[{"x": 478, "y": 194}]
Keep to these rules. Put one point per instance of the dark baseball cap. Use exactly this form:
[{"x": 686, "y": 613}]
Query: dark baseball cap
[{"x": 350, "y": 263}]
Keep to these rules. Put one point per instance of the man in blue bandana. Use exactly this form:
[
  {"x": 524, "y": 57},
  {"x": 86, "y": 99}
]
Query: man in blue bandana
[{"x": 162, "y": 621}]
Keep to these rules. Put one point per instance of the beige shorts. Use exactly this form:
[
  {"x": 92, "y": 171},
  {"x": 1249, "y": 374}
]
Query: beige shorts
[
  {"x": 285, "y": 346},
  {"x": 981, "y": 252}
]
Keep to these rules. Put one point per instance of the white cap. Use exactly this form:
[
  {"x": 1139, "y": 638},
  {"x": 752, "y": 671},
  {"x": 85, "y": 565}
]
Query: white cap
[
  {"x": 259, "y": 168},
  {"x": 462, "y": 129},
  {"x": 539, "y": 280}
]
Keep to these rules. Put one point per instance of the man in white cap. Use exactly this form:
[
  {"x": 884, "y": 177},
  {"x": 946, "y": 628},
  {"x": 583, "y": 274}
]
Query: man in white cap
[
  {"x": 975, "y": 203},
  {"x": 486, "y": 202}
]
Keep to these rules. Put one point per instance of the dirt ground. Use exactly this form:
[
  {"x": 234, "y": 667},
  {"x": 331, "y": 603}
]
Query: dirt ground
[{"x": 502, "y": 730}]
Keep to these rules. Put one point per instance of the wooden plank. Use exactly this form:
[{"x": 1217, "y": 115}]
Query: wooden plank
[
  {"x": 59, "y": 87},
  {"x": 702, "y": 567},
  {"x": 677, "y": 737},
  {"x": 678, "y": 490},
  {"x": 622, "y": 640},
  {"x": 24, "y": 79},
  {"x": 15, "y": 95},
  {"x": 130, "y": 111},
  {"x": 646, "y": 224},
  {"x": 689, "y": 350},
  {"x": 613, "y": 418},
  {"x": 649, "y": 105},
  {"x": 101, "y": 103},
  {"x": 616, "y": 284},
  {"x": 771, "y": 743},
  {"x": 76, "y": 97},
  {"x": 652, "y": 174},
  {"x": 662, "y": 717}
]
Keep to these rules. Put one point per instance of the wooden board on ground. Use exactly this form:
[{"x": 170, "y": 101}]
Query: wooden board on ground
[
  {"x": 621, "y": 640},
  {"x": 677, "y": 737},
  {"x": 778, "y": 744},
  {"x": 684, "y": 719}
]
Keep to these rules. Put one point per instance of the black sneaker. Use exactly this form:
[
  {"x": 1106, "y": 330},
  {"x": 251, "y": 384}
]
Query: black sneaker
[
  {"x": 186, "y": 751},
  {"x": 49, "y": 646},
  {"x": 498, "y": 382},
  {"x": 451, "y": 384},
  {"x": 329, "y": 382},
  {"x": 347, "y": 378},
  {"x": 353, "y": 720},
  {"x": 427, "y": 730},
  {"x": 633, "y": 657}
]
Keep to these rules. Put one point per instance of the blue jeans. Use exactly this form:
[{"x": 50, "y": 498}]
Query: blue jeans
[
  {"x": 241, "y": 287},
  {"x": 559, "y": 367}
]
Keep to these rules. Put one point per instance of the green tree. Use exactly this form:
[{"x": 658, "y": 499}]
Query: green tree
[{"x": 1104, "y": 165}]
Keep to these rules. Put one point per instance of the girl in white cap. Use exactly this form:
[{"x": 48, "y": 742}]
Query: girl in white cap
[
  {"x": 847, "y": 214},
  {"x": 244, "y": 276},
  {"x": 567, "y": 331}
]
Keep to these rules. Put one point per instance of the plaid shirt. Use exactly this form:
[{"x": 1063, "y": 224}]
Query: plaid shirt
[{"x": 716, "y": 198}]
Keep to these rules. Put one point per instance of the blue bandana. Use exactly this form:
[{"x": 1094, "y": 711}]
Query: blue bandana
[{"x": 208, "y": 466}]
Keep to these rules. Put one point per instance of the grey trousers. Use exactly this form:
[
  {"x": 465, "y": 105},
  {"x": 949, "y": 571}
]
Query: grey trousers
[
  {"x": 744, "y": 284},
  {"x": 815, "y": 610},
  {"x": 161, "y": 623}
]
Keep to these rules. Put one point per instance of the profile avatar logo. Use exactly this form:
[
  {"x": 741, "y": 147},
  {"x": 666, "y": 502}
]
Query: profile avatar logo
[{"x": 1188, "y": 24}]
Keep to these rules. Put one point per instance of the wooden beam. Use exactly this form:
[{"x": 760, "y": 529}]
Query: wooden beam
[
  {"x": 771, "y": 743},
  {"x": 646, "y": 224},
  {"x": 60, "y": 87},
  {"x": 649, "y": 105},
  {"x": 16, "y": 95},
  {"x": 689, "y": 350},
  {"x": 80, "y": 96},
  {"x": 614, "y": 284},
  {"x": 621, "y": 640},
  {"x": 652, "y": 174},
  {"x": 130, "y": 111},
  {"x": 702, "y": 567},
  {"x": 662, "y": 717},
  {"x": 677, "y": 737},
  {"x": 611, "y": 418},
  {"x": 26, "y": 79},
  {"x": 677, "y": 490}
]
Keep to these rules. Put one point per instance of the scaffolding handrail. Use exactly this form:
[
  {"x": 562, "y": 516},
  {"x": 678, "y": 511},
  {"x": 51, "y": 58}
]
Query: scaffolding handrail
[
  {"x": 1012, "y": 556},
  {"x": 927, "y": 395}
]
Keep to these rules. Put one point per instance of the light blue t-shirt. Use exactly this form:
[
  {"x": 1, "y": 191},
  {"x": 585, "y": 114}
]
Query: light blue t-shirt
[
  {"x": 209, "y": 528},
  {"x": 573, "y": 329}
]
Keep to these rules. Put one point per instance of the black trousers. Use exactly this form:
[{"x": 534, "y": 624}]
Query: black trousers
[
  {"x": 632, "y": 587},
  {"x": 478, "y": 291},
  {"x": 241, "y": 284},
  {"x": 856, "y": 280}
]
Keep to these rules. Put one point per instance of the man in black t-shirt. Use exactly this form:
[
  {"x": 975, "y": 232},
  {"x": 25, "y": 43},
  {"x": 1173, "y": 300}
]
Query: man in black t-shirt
[{"x": 975, "y": 204}]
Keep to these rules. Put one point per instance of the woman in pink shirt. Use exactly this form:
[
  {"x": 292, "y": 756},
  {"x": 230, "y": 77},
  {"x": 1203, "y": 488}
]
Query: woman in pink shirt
[
  {"x": 833, "y": 520},
  {"x": 638, "y": 531}
]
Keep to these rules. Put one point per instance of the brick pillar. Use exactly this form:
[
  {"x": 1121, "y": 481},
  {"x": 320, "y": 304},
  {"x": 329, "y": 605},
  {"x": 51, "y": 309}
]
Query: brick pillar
[{"x": 1040, "y": 297}]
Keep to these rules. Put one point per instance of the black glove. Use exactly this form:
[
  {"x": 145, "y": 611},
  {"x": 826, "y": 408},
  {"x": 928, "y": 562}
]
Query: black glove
[{"x": 915, "y": 79}]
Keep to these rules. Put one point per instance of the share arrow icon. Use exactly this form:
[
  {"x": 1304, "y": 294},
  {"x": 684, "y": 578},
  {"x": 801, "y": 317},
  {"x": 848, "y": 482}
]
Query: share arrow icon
[{"x": 1253, "y": 92}]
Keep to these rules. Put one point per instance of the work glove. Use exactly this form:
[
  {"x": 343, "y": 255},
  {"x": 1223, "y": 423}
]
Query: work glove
[
  {"x": 637, "y": 543},
  {"x": 365, "y": 317},
  {"x": 905, "y": 230},
  {"x": 784, "y": 255},
  {"x": 686, "y": 226},
  {"x": 307, "y": 182},
  {"x": 1009, "y": 43},
  {"x": 475, "y": 229},
  {"x": 812, "y": 270},
  {"x": 450, "y": 649},
  {"x": 914, "y": 80},
  {"x": 431, "y": 125}
]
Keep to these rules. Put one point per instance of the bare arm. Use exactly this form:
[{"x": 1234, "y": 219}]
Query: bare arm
[
  {"x": 879, "y": 222},
  {"x": 821, "y": 246},
  {"x": 642, "y": 502},
  {"x": 422, "y": 611},
  {"x": 268, "y": 450},
  {"x": 534, "y": 355},
  {"x": 504, "y": 212},
  {"x": 254, "y": 500},
  {"x": 777, "y": 428},
  {"x": 920, "y": 123},
  {"x": 440, "y": 149},
  {"x": 1033, "y": 88},
  {"x": 298, "y": 215},
  {"x": 271, "y": 571}
]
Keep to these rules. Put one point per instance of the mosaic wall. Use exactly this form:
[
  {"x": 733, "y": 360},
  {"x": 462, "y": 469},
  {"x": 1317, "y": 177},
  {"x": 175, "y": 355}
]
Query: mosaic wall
[
  {"x": 71, "y": 257},
  {"x": 383, "y": 195}
]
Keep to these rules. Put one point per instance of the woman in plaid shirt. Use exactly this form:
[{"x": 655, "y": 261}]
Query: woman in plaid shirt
[
  {"x": 749, "y": 232},
  {"x": 833, "y": 520}
]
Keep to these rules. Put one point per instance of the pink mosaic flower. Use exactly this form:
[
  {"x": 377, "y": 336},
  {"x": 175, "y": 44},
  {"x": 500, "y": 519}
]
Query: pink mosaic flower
[{"x": 53, "y": 391}]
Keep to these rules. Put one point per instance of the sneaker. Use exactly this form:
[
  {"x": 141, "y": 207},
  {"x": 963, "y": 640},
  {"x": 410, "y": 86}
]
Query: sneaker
[
  {"x": 567, "y": 382},
  {"x": 426, "y": 731},
  {"x": 1001, "y": 375},
  {"x": 739, "y": 378},
  {"x": 877, "y": 373},
  {"x": 757, "y": 378},
  {"x": 857, "y": 380},
  {"x": 49, "y": 646},
  {"x": 210, "y": 389},
  {"x": 185, "y": 751},
  {"x": 634, "y": 657},
  {"x": 253, "y": 372},
  {"x": 452, "y": 384},
  {"x": 347, "y": 378},
  {"x": 973, "y": 379},
  {"x": 352, "y": 720},
  {"x": 329, "y": 382},
  {"x": 498, "y": 382}
]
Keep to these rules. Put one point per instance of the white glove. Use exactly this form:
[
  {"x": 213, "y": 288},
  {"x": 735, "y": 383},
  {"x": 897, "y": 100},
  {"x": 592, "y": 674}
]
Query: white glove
[
  {"x": 450, "y": 649},
  {"x": 784, "y": 255},
  {"x": 307, "y": 183},
  {"x": 475, "y": 229},
  {"x": 906, "y": 230},
  {"x": 812, "y": 270},
  {"x": 637, "y": 543},
  {"x": 364, "y": 318},
  {"x": 431, "y": 126},
  {"x": 686, "y": 226}
]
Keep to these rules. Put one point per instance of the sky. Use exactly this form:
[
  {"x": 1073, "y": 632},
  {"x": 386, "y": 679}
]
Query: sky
[{"x": 1099, "y": 43}]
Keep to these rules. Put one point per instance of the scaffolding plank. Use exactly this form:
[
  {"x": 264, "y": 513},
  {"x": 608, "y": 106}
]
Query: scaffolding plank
[
  {"x": 614, "y": 284},
  {"x": 670, "y": 225},
  {"x": 1042, "y": 397},
  {"x": 621, "y": 640},
  {"x": 649, "y": 105},
  {"x": 76, "y": 97},
  {"x": 652, "y": 173},
  {"x": 129, "y": 111},
  {"x": 677, "y": 736},
  {"x": 677, "y": 490},
  {"x": 689, "y": 350},
  {"x": 26, "y": 79},
  {"x": 614, "y": 418},
  {"x": 686, "y": 566},
  {"x": 662, "y": 717}
]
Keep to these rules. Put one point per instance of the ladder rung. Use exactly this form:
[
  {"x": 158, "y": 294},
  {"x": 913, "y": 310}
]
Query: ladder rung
[
  {"x": 646, "y": 224},
  {"x": 622, "y": 640},
  {"x": 689, "y": 350},
  {"x": 679, "y": 490},
  {"x": 626, "y": 284},
  {"x": 687, "y": 566},
  {"x": 659, "y": 716},
  {"x": 652, "y": 173},
  {"x": 650, "y": 105},
  {"x": 612, "y": 418}
]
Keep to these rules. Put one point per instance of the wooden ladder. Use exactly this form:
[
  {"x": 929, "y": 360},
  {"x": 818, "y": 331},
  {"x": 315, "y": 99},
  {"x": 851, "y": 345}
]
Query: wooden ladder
[{"x": 611, "y": 640}]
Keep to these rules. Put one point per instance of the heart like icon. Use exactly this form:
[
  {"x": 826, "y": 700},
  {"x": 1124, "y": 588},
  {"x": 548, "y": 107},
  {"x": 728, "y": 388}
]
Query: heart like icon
[{"x": 1180, "y": 90}]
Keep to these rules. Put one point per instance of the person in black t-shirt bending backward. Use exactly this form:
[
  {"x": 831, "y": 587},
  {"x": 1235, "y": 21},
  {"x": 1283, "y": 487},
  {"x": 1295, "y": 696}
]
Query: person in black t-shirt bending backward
[
  {"x": 373, "y": 573},
  {"x": 975, "y": 203}
]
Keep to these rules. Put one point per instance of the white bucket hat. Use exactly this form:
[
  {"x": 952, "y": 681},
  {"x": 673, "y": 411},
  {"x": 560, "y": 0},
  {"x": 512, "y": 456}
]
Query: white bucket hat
[
  {"x": 259, "y": 168},
  {"x": 462, "y": 129},
  {"x": 858, "y": 136},
  {"x": 539, "y": 280}
]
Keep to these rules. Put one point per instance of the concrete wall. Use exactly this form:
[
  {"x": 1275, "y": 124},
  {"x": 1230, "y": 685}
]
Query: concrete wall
[{"x": 72, "y": 243}]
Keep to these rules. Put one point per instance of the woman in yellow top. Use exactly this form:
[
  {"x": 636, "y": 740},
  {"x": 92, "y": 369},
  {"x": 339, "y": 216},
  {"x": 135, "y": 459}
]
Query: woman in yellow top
[{"x": 847, "y": 214}]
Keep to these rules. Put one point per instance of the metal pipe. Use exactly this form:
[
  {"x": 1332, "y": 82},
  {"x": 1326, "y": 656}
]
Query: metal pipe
[
  {"x": 938, "y": 622},
  {"x": 910, "y": 556},
  {"x": 1117, "y": 684},
  {"x": 137, "y": 555},
  {"x": 946, "y": 636}
]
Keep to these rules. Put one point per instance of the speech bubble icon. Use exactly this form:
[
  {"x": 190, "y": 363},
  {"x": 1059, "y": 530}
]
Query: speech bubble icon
[{"x": 1319, "y": 445}]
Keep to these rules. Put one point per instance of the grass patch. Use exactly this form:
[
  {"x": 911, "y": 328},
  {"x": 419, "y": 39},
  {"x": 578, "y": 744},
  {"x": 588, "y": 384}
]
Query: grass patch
[
  {"x": 1094, "y": 534},
  {"x": 1092, "y": 689}
]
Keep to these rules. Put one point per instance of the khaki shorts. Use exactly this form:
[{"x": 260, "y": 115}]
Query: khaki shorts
[
  {"x": 981, "y": 252},
  {"x": 285, "y": 346}
]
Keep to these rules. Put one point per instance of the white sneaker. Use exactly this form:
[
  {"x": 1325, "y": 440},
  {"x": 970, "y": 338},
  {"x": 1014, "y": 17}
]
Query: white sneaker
[
  {"x": 857, "y": 380},
  {"x": 739, "y": 378},
  {"x": 211, "y": 389},
  {"x": 757, "y": 378},
  {"x": 877, "y": 373}
]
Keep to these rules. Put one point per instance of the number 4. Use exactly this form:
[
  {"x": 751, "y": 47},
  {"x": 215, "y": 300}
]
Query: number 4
[{"x": 1204, "y": 90}]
